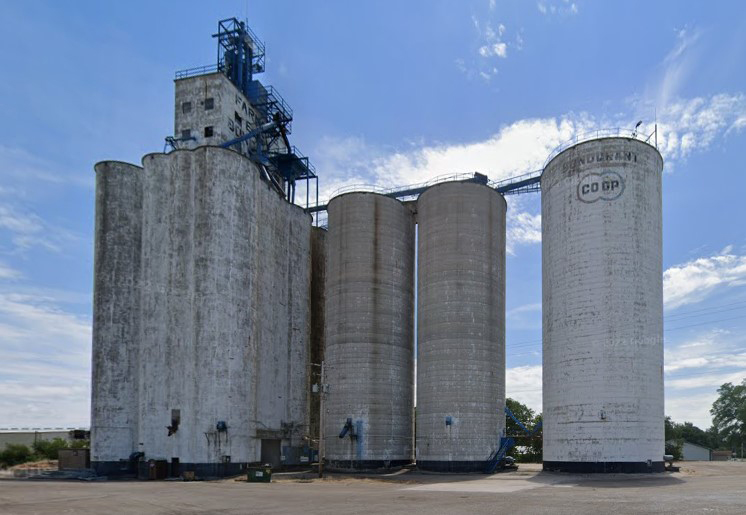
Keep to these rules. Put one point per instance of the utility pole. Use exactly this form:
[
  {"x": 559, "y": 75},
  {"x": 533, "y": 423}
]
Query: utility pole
[{"x": 322, "y": 392}]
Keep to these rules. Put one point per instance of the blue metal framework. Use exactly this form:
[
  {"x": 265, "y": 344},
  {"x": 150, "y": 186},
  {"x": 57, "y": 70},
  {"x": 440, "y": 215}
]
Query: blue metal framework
[
  {"x": 240, "y": 53},
  {"x": 241, "y": 56}
]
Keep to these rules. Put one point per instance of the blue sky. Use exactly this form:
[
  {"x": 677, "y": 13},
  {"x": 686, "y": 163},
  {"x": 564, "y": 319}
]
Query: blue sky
[{"x": 387, "y": 93}]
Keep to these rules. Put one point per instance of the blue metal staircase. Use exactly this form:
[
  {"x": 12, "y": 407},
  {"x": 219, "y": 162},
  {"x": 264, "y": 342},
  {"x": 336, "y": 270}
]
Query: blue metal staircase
[{"x": 505, "y": 444}]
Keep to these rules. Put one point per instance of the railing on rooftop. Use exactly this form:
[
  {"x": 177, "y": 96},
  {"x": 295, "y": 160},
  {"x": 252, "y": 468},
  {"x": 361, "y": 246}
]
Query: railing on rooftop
[
  {"x": 616, "y": 132},
  {"x": 200, "y": 70},
  {"x": 373, "y": 188}
]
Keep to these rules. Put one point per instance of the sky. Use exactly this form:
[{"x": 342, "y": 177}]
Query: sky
[{"x": 384, "y": 93}]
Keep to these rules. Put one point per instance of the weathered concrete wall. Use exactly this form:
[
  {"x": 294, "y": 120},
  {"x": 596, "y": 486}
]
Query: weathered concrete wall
[
  {"x": 369, "y": 331},
  {"x": 225, "y": 309},
  {"x": 461, "y": 326},
  {"x": 198, "y": 350},
  {"x": 318, "y": 301},
  {"x": 282, "y": 301},
  {"x": 230, "y": 115},
  {"x": 603, "y": 307},
  {"x": 116, "y": 308}
]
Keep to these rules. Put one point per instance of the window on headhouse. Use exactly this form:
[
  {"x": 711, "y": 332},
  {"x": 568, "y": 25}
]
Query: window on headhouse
[
  {"x": 186, "y": 107},
  {"x": 208, "y": 132},
  {"x": 209, "y": 103},
  {"x": 186, "y": 134}
]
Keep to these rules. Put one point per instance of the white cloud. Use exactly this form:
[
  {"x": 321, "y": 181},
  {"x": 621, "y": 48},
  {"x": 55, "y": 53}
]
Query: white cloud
[
  {"x": 45, "y": 370},
  {"x": 523, "y": 228},
  {"x": 526, "y": 308},
  {"x": 20, "y": 164},
  {"x": 684, "y": 127},
  {"x": 677, "y": 65},
  {"x": 695, "y": 368},
  {"x": 7, "y": 272},
  {"x": 17, "y": 222},
  {"x": 27, "y": 230},
  {"x": 695, "y": 280},
  {"x": 491, "y": 47},
  {"x": 689, "y": 125},
  {"x": 694, "y": 408},
  {"x": 524, "y": 385},
  {"x": 523, "y": 146},
  {"x": 552, "y": 8}
]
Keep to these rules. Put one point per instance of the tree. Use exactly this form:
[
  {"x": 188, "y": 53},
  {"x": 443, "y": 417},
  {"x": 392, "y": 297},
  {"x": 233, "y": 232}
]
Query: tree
[
  {"x": 528, "y": 449},
  {"x": 14, "y": 454},
  {"x": 49, "y": 449},
  {"x": 729, "y": 414}
]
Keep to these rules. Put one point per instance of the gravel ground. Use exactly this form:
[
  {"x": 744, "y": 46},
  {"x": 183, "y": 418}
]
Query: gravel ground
[{"x": 704, "y": 487}]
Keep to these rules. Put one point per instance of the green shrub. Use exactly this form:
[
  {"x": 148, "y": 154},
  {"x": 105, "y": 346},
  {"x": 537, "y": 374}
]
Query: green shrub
[
  {"x": 15, "y": 454},
  {"x": 48, "y": 449}
]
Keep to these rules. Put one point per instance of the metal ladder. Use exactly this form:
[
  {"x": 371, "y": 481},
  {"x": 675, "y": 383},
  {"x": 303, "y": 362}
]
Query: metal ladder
[{"x": 494, "y": 460}]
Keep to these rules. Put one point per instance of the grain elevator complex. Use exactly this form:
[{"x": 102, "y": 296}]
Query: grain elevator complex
[{"x": 231, "y": 329}]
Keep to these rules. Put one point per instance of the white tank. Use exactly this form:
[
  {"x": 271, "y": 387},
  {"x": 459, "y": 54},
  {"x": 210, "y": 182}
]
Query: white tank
[
  {"x": 116, "y": 314},
  {"x": 603, "y": 308},
  {"x": 461, "y": 326}
]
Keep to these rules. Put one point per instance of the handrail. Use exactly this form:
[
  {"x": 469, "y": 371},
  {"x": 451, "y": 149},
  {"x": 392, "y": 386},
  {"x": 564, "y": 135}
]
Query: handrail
[
  {"x": 597, "y": 134},
  {"x": 373, "y": 188},
  {"x": 199, "y": 70}
]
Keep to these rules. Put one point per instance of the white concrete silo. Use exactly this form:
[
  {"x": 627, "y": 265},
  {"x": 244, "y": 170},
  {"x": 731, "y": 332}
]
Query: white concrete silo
[
  {"x": 603, "y": 308},
  {"x": 461, "y": 326},
  {"x": 116, "y": 314}
]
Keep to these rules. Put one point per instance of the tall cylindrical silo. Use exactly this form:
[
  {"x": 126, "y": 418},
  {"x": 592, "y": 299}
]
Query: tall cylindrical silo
[
  {"x": 116, "y": 311},
  {"x": 461, "y": 326},
  {"x": 369, "y": 351},
  {"x": 603, "y": 308},
  {"x": 197, "y": 363}
]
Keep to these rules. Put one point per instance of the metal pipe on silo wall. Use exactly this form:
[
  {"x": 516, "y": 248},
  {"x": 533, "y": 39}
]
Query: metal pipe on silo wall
[
  {"x": 116, "y": 304},
  {"x": 603, "y": 308},
  {"x": 369, "y": 332},
  {"x": 461, "y": 326}
]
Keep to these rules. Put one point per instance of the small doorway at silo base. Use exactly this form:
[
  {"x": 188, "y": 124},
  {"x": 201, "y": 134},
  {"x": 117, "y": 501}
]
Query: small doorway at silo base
[{"x": 271, "y": 452}]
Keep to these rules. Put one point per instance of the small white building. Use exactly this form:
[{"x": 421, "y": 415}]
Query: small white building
[{"x": 693, "y": 452}]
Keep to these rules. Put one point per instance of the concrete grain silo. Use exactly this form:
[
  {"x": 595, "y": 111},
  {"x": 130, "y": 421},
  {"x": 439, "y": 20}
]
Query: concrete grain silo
[
  {"x": 198, "y": 348},
  {"x": 225, "y": 320},
  {"x": 461, "y": 326},
  {"x": 369, "y": 332},
  {"x": 603, "y": 308},
  {"x": 116, "y": 313}
]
